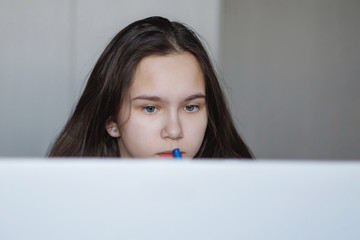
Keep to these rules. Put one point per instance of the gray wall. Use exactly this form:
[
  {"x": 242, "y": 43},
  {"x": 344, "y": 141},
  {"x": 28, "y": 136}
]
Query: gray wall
[
  {"x": 293, "y": 68},
  {"x": 47, "y": 49}
]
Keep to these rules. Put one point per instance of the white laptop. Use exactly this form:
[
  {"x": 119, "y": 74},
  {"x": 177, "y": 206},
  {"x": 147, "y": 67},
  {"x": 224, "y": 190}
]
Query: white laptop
[{"x": 178, "y": 199}]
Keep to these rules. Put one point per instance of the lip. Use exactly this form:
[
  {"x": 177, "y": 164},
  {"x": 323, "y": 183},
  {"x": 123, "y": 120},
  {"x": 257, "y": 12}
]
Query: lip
[{"x": 167, "y": 154}]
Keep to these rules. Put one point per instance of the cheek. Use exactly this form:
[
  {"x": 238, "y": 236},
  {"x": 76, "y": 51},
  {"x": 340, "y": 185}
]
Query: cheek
[
  {"x": 136, "y": 127},
  {"x": 139, "y": 136},
  {"x": 195, "y": 132}
]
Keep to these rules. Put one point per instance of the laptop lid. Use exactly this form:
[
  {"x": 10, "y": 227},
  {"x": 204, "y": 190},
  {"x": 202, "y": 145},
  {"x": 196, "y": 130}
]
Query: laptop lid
[{"x": 169, "y": 199}]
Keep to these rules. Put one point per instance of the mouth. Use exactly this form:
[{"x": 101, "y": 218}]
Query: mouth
[{"x": 167, "y": 154}]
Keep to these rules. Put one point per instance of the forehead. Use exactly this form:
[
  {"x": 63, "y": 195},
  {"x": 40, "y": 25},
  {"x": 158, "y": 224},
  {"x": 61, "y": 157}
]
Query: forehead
[{"x": 178, "y": 73}]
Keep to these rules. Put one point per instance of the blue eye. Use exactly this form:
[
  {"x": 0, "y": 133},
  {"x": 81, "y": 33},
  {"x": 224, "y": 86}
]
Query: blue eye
[
  {"x": 191, "y": 108},
  {"x": 150, "y": 109}
]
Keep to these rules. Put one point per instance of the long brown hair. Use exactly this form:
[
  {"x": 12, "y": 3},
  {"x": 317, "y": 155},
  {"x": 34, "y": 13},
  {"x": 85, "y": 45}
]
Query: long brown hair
[{"x": 107, "y": 87}]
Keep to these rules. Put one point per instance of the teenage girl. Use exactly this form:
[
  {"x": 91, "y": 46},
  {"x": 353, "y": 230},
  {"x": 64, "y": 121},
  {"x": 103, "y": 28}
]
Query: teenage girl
[{"x": 153, "y": 89}]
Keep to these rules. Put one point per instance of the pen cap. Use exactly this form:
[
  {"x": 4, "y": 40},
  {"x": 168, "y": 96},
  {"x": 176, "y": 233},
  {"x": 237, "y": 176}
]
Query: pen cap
[{"x": 176, "y": 153}]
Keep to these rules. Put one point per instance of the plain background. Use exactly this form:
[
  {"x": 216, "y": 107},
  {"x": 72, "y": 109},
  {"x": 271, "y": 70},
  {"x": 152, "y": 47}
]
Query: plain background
[{"x": 291, "y": 69}]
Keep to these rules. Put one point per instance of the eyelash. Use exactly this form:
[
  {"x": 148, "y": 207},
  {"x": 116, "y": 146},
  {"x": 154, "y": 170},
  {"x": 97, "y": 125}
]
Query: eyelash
[
  {"x": 154, "y": 109},
  {"x": 147, "y": 107},
  {"x": 196, "y": 107}
]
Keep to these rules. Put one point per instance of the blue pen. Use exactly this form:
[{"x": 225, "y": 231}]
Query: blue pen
[{"x": 176, "y": 153}]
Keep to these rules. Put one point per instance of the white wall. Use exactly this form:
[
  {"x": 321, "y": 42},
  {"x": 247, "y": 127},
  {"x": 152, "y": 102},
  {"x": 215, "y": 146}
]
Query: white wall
[
  {"x": 47, "y": 49},
  {"x": 294, "y": 71}
]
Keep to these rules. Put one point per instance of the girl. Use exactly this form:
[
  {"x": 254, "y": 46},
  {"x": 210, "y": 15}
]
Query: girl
[{"x": 153, "y": 89}]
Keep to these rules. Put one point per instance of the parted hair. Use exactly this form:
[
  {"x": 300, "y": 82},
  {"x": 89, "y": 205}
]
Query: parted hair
[{"x": 84, "y": 135}]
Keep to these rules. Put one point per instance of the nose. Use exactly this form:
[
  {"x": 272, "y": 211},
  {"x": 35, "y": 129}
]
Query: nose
[{"x": 172, "y": 128}]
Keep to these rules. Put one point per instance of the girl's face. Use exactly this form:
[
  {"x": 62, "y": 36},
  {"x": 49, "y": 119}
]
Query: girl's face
[{"x": 167, "y": 109}]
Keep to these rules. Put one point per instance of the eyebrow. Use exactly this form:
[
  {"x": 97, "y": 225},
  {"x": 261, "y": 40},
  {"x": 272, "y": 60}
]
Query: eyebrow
[{"x": 158, "y": 99}]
